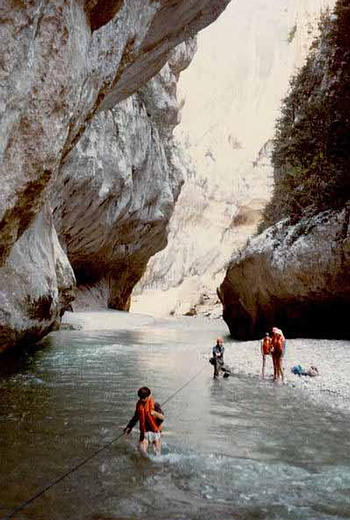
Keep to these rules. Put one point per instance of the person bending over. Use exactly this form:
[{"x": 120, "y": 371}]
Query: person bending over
[
  {"x": 150, "y": 417},
  {"x": 218, "y": 357}
]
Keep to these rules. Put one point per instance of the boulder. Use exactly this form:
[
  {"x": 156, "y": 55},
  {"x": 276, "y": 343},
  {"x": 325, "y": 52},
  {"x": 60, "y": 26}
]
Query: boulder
[
  {"x": 295, "y": 277},
  {"x": 37, "y": 284}
]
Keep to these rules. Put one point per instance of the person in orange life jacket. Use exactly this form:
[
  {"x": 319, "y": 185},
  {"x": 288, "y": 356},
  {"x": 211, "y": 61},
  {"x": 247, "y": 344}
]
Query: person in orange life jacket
[
  {"x": 277, "y": 349},
  {"x": 150, "y": 416},
  {"x": 265, "y": 350}
]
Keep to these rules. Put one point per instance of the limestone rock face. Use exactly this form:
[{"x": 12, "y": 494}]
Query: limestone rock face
[
  {"x": 117, "y": 189},
  {"x": 294, "y": 277},
  {"x": 36, "y": 284},
  {"x": 63, "y": 66},
  {"x": 60, "y": 63},
  {"x": 232, "y": 91}
]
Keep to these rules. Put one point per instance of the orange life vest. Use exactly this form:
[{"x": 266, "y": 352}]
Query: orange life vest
[
  {"x": 144, "y": 410},
  {"x": 266, "y": 346},
  {"x": 277, "y": 343}
]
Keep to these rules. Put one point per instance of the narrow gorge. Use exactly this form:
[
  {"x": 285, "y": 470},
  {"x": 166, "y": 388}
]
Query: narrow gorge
[
  {"x": 174, "y": 183},
  {"x": 89, "y": 173},
  {"x": 126, "y": 186}
]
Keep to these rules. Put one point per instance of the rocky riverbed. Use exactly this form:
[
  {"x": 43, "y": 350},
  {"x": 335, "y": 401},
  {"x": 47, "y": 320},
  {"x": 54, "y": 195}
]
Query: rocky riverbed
[
  {"x": 331, "y": 357},
  {"x": 236, "y": 448}
]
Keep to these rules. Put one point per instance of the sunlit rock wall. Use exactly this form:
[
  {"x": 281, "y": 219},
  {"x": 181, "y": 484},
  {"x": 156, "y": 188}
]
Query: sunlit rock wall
[{"x": 227, "y": 123}]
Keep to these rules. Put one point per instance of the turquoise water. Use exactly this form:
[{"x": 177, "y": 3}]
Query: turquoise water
[{"x": 233, "y": 449}]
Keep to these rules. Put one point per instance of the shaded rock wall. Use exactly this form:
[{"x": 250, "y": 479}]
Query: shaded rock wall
[
  {"x": 295, "y": 277},
  {"x": 56, "y": 73},
  {"x": 117, "y": 190},
  {"x": 37, "y": 284},
  {"x": 61, "y": 65}
]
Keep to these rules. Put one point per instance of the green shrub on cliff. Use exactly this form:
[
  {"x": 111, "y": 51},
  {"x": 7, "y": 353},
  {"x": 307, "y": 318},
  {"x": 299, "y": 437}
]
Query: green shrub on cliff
[{"x": 311, "y": 151}]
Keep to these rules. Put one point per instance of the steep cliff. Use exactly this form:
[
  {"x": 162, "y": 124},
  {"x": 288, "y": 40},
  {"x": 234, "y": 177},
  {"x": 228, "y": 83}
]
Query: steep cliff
[
  {"x": 311, "y": 152},
  {"x": 296, "y": 273},
  {"x": 62, "y": 65},
  {"x": 58, "y": 70},
  {"x": 117, "y": 190},
  {"x": 226, "y": 131}
]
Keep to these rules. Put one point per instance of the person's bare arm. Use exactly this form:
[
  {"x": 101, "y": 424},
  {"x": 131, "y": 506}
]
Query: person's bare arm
[
  {"x": 158, "y": 415},
  {"x": 131, "y": 423},
  {"x": 157, "y": 412}
]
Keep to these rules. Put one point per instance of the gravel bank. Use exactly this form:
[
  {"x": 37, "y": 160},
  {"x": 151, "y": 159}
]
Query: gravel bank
[{"x": 331, "y": 357}]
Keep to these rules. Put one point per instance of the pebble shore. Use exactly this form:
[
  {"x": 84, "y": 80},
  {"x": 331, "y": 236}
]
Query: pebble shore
[{"x": 331, "y": 357}]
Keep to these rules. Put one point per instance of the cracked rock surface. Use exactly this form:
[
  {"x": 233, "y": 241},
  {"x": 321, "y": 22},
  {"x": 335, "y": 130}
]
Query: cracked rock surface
[{"x": 57, "y": 72}]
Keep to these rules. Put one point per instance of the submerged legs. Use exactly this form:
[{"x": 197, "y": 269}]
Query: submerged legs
[
  {"x": 157, "y": 446},
  {"x": 143, "y": 447}
]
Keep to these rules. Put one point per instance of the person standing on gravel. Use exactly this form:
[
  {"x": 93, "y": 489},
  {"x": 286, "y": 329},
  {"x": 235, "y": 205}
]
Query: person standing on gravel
[
  {"x": 218, "y": 357},
  {"x": 277, "y": 349},
  {"x": 265, "y": 351}
]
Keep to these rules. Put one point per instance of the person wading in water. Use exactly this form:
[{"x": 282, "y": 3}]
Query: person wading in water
[
  {"x": 150, "y": 416},
  {"x": 265, "y": 351},
  {"x": 277, "y": 350},
  {"x": 218, "y": 357}
]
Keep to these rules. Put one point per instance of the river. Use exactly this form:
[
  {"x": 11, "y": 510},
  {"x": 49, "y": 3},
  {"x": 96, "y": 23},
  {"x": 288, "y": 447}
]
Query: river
[{"x": 238, "y": 448}]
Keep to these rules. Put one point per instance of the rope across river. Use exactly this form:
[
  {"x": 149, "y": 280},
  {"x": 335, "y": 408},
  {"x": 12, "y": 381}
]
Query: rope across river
[{"x": 82, "y": 463}]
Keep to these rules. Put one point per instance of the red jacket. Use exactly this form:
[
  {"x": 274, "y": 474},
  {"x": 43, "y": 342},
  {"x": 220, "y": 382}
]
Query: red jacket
[{"x": 148, "y": 423}]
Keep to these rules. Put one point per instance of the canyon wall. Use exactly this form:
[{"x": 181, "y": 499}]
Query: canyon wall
[
  {"x": 296, "y": 274},
  {"x": 63, "y": 65},
  {"x": 296, "y": 277},
  {"x": 226, "y": 130},
  {"x": 37, "y": 283},
  {"x": 117, "y": 190}
]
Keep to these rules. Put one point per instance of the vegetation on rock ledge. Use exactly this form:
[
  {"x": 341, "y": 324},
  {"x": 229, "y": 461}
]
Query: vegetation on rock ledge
[{"x": 311, "y": 153}]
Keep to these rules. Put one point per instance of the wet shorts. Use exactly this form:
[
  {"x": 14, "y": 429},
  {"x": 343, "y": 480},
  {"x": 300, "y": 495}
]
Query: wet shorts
[{"x": 152, "y": 436}]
